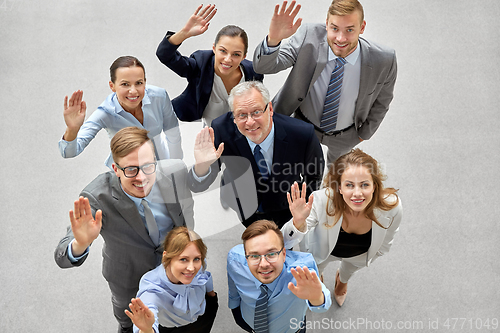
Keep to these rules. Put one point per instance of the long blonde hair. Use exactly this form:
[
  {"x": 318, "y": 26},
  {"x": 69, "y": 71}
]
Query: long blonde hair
[{"x": 336, "y": 206}]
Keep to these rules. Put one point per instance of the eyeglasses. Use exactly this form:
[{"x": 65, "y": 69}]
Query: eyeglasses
[
  {"x": 132, "y": 171},
  {"x": 254, "y": 259},
  {"x": 254, "y": 115}
]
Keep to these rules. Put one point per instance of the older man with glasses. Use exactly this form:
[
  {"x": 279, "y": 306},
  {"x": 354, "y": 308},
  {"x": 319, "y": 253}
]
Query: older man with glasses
[
  {"x": 271, "y": 288},
  {"x": 133, "y": 208},
  {"x": 264, "y": 154}
]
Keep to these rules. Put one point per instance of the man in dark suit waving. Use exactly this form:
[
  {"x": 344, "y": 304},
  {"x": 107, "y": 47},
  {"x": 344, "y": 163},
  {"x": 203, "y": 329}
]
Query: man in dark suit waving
[
  {"x": 133, "y": 208},
  {"x": 263, "y": 153}
]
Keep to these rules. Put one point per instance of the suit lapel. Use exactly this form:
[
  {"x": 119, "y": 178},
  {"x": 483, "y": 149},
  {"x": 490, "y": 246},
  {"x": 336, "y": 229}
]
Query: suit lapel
[
  {"x": 365, "y": 74},
  {"x": 127, "y": 209},
  {"x": 378, "y": 234},
  {"x": 333, "y": 234},
  {"x": 321, "y": 61},
  {"x": 168, "y": 190},
  {"x": 280, "y": 146}
]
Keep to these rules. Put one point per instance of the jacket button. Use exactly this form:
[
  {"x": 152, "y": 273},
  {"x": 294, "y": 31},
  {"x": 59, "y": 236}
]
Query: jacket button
[{"x": 301, "y": 99}]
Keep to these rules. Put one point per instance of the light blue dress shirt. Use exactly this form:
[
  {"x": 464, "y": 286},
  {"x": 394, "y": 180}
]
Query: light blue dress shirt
[
  {"x": 315, "y": 99},
  {"x": 173, "y": 304},
  {"x": 285, "y": 309},
  {"x": 158, "y": 117}
]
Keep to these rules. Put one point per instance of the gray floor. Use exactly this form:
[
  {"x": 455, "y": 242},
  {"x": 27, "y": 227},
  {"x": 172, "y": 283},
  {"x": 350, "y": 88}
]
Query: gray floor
[{"x": 438, "y": 144}]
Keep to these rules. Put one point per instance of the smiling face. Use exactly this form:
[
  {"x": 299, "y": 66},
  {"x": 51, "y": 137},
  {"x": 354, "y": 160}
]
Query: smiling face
[
  {"x": 129, "y": 86},
  {"x": 140, "y": 185},
  {"x": 184, "y": 267},
  {"x": 229, "y": 52},
  {"x": 256, "y": 130},
  {"x": 265, "y": 271},
  {"x": 357, "y": 187},
  {"x": 343, "y": 33}
]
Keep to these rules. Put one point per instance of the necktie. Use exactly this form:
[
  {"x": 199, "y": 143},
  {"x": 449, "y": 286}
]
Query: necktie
[
  {"x": 261, "y": 162},
  {"x": 331, "y": 108},
  {"x": 260, "y": 318},
  {"x": 154, "y": 234}
]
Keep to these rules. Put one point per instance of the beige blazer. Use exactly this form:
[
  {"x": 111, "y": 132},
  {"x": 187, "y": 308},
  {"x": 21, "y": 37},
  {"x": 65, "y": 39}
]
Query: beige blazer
[{"x": 320, "y": 240}]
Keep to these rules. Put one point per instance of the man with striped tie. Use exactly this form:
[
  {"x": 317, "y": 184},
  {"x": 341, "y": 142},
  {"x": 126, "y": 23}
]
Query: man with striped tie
[
  {"x": 271, "y": 288},
  {"x": 339, "y": 82}
]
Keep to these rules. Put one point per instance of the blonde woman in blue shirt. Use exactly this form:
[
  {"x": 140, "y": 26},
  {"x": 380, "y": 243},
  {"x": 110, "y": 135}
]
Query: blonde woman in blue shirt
[
  {"x": 178, "y": 295},
  {"x": 132, "y": 103}
]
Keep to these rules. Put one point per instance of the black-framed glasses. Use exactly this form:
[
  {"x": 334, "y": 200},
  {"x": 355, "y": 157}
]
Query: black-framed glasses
[
  {"x": 254, "y": 259},
  {"x": 254, "y": 115},
  {"x": 132, "y": 171}
]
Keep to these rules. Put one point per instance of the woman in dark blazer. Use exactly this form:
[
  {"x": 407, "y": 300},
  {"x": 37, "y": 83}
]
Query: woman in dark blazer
[{"x": 211, "y": 74}]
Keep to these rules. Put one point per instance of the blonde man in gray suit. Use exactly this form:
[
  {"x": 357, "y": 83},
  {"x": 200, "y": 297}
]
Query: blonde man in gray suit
[
  {"x": 339, "y": 82},
  {"x": 132, "y": 208}
]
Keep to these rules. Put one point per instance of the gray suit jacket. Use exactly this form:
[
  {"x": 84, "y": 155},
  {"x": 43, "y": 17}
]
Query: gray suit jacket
[
  {"x": 307, "y": 52},
  {"x": 128, "y": 251}
]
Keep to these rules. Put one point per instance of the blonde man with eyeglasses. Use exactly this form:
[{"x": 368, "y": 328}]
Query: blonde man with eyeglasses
[
  {"x": 264, "y": 154},
  {"x": 132, "y": 208}
]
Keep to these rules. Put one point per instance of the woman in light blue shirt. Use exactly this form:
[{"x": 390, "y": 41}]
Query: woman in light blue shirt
[
  {"x": 178, "y": 295},
  {"x": 132, "y": 103}
]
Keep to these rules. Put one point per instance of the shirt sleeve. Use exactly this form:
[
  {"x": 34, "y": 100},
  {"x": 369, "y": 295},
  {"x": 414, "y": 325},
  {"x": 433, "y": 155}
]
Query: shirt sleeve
[
  {"x": 86, "y": 133},
  {"x": 269, "y": 49},
  {"x": 71, "y": 257},
  {"x": 234, "y": 299}
]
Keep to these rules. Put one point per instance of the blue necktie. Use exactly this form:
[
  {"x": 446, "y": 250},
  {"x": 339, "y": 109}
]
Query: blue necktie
[
  {"x": 153, "y": 231},
  {"x": 261, "y": 162},
  {"x": 260, "y": 324},
  {"x": 331, "y": 108}
]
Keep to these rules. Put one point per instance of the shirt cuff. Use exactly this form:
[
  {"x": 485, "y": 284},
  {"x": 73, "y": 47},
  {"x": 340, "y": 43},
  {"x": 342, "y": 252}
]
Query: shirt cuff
[
  {"x": 326, "y": 303},
  {"x": 269, "y": 49},
  {"x": 67, "y": 148},
  {"x": 74, "y": 259},
  {"x": 202, "y": 178}
]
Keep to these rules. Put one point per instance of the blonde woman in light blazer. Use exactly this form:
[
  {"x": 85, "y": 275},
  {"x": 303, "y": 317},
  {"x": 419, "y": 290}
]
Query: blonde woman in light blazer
[{"x": 353, "y": 219}]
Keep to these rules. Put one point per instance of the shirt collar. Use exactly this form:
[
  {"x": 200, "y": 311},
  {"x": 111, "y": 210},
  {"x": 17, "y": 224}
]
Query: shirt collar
[
  {"x": 149, "y": 198},
  {"x": 266, "y": 144},
  {"x": 351, "y": 58}
]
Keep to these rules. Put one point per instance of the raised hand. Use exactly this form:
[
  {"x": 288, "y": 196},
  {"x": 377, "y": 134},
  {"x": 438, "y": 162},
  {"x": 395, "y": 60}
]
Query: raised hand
[
  {"x": 308, "y": 285},
  {"x": 282, "y": 24},
  {"x": 85, "y": 228},
  {"x": 204, "y": 151},
  {"x": 297, "y": 204},
  {"x": 196, "y": 25},
  {"x": 74, "y": 114},
  {"x": 141, "y": 315}
]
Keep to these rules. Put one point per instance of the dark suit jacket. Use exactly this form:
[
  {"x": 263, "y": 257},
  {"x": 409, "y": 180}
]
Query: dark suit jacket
[
  {"x": 198, "y": 69},
  {"x": 307, "y": 53},
  {"x": 128, "y": 251},
  {"x": 297, "y": 157}
]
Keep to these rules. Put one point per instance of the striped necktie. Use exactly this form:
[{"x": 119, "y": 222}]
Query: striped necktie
[
  {"x": 260, "y": 324},
  {"x": 331, "y": 108}
]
